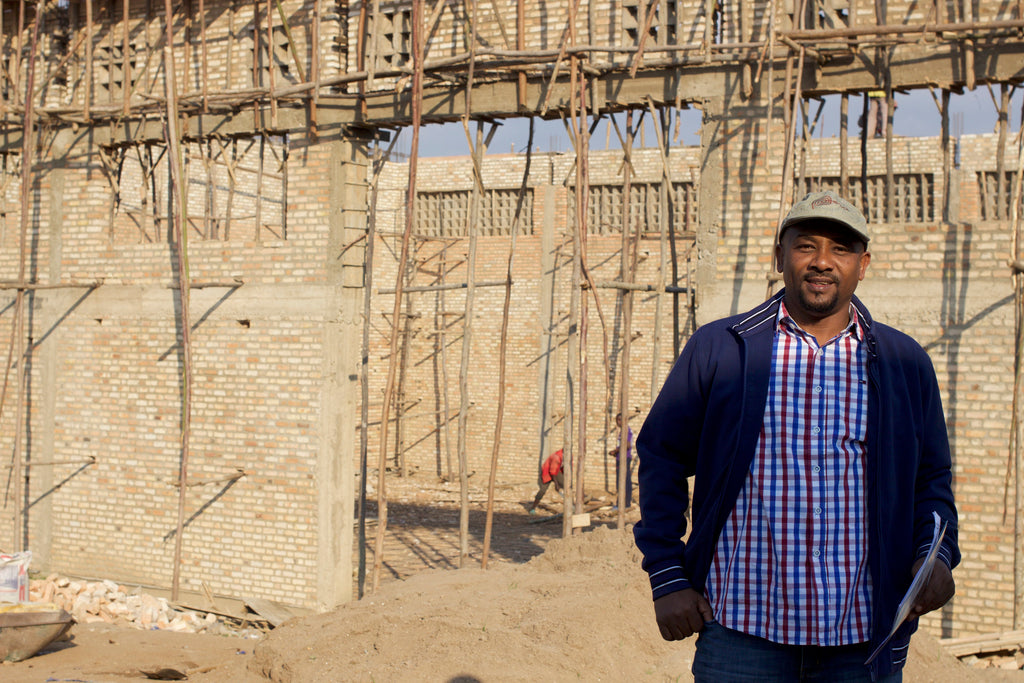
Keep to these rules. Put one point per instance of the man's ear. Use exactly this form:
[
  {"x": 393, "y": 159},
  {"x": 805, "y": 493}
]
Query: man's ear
[
  {"x": 778, "y": 256},
  {"x": 865, "y": 259}
]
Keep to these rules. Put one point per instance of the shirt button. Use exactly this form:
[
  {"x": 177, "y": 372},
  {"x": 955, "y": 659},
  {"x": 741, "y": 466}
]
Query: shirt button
[
  {"x": 815, "y": 553},
  {"x": 817, "y": 389},
  {"x": 817, "y": 510},
  {"x": 816, "y": 469},
  {"x": 816, "y": 430}
]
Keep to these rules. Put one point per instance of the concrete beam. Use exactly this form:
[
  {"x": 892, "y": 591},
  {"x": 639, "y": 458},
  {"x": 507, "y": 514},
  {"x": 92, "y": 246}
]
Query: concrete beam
[{"x": 914, "y": 66}]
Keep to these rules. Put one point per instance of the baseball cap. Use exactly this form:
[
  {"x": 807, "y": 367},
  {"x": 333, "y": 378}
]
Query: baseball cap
[{"x": 827, "y": 206}]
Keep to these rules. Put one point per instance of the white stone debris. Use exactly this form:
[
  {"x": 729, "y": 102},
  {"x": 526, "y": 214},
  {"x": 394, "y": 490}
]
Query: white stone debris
[{"x": 106, "y": 601}]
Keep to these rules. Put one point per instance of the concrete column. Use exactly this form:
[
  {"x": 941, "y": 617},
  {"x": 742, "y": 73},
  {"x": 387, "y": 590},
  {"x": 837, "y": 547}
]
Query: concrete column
[
  {"x": 343, "y": 296},
  {"x": 709, "y": 204},
  {"x": 49, "y": 333}
]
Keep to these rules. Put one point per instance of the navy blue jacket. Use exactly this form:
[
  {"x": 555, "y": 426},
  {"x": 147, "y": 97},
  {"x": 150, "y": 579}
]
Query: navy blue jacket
[{"x": 706, "y": 421}]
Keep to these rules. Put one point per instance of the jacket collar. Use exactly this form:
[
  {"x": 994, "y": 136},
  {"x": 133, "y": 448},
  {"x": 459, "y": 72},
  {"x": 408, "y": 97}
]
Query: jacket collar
[{"x": 766, "y": 313}]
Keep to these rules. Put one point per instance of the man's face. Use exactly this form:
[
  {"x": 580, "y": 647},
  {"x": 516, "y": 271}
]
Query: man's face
[{"x": 821, "y": 263}]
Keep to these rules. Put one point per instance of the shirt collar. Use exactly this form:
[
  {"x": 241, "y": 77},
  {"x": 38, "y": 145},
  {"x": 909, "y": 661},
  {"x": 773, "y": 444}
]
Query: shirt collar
[{"x": 855, "y": 327}]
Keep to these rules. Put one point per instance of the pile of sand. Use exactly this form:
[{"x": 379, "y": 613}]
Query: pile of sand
[{"x": 581, "y": 610}]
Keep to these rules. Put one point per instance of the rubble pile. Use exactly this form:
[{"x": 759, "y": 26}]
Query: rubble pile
[{"x": 106, "y": 601}]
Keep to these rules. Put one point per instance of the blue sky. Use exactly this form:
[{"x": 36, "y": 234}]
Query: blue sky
[{"x": 916, "y": 115}]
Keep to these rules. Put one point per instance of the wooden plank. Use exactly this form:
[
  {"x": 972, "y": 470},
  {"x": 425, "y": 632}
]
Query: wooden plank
[
  {"x": 983, "y": 643},
  {"x": 274, "y": 613}
]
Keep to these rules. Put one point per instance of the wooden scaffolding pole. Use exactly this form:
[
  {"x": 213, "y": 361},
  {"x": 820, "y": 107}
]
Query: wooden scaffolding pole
[
  {"x": 890, "y": 175},
  {"x": 503, "y": 347},
  {"x": 476, "y": 196},
  {"x": 442, "y": 341},
  {"x": 947, "y": 157},
  {"x": 314, "y": 67},
  {"x": 864, "y": 158},
  {"x": 87, "y": 99},
  {"x": 579, "y": 117},
  {"x": 844, "y": 143},
  {"x": 1003, "y": 127},
  {"x": 1017, "y": 429},
  {"x": 401, "y": 402},
  {"x": 18, "y": 322},
  {"x": 410, "y": 221},
  {"x": 364, "y": 367},
  {"x": 126, "y": 62},
  {"x": 180, "y": 231},
  {"x": 467, "y": 338},
  {"x": 786, "y": 194},
  {"x": 627, "y": 269}
]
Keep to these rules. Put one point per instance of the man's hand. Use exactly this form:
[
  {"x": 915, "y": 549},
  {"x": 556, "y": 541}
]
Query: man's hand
[
  {"x": 937, "y": 591},
  {"x": 681, "y": 614}
]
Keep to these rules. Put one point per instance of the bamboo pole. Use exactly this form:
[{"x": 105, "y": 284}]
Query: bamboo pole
[
  {"x": 1017, "y": 429},
  {"x": 864, "y": 159},
  {"x": 966, "y": 28},
  {"x": 890, "y": 175},
  {"x": 520, "y": 46},
  {"x": 476, "y": 149},
  {"x": 88, "y": 58},
  {"x": 361, "y": 56},
  {"x": 204, "y": 54},
  {"x": 271, "y": 65},
  {"x": 571, "y": 380},
  {"x": 180, "y": 221},
  {"x": 627, "y": 267},
  {"x": 785, "y": 195},
  {"x": 257, "y": 82},
  {"x": 18, "y": 323},
  {"x": 314, "y": 67},
  {"x": 467, "y": 338},
  {"x": 805, "y": 135},
  {"x": 445, "y": 286},
  {"x": 503, "y": 348},
  {"x": 375, "y": 30},
  {"x": 947, "y": 157},
  {"x": 1003, "y": 127},
  {"x": 5, "y": 77},
  {"x": 638, "y": 58},
  {"x": 968, "y": 14},
  {"x": 401, "y": 464},
  {"x": 410, "y": 221},
  {"x": 364, "y": 366},
  {"x": 291, "y": 43},
  {"x": 126, "y": 68},
  {"x": 443, "y": 342},
  {"x": 562, "y": 52},
  {"x": 582, "y": 204},
  {"x": 844, "y": 141},
  {"x": 18, "y": 48}
]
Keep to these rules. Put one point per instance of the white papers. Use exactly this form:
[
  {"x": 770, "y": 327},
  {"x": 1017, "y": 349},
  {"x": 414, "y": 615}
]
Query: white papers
[{"x": 924, "y": 573}]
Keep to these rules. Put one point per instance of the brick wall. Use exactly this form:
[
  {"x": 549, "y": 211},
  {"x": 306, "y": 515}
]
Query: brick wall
[{"x": 106, "y": 385}]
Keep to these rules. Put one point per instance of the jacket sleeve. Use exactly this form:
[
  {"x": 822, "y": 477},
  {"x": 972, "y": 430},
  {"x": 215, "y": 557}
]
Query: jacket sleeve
[
  {"x": 667, "y": 449},
  {"x": 933, "y": 488}
]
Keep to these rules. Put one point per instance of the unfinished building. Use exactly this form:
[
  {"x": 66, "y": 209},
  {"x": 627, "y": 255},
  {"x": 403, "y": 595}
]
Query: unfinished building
[{"x": 213, "y": 275}]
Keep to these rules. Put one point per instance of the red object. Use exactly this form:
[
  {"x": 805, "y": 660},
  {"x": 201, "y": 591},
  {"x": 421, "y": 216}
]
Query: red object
[{"x": 551, "y": 467}]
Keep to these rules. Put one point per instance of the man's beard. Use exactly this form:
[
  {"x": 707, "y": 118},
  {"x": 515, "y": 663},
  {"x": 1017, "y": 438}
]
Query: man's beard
[{"x": 822, "y": 306}]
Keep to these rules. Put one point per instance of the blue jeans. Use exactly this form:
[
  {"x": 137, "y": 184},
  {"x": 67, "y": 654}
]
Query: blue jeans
[{"x": 727, "y": 656}]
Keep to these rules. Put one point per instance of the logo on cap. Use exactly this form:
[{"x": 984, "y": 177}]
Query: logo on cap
[{"x": 825, "y": 201}]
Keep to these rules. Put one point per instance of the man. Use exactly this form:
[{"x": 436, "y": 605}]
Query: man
[
  {"x": 551, "y": 471},
  {"x": 819, "y": 450}
]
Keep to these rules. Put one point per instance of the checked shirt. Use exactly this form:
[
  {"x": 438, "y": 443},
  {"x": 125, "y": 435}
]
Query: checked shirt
[{"x": 791, "y": 562}]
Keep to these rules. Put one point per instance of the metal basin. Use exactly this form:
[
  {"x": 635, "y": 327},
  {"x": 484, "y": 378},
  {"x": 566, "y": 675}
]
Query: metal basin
[{"x": 23, "y": 634}]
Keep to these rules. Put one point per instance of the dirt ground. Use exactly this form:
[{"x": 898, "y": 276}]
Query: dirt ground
[{"x": 546, "y": 608}]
